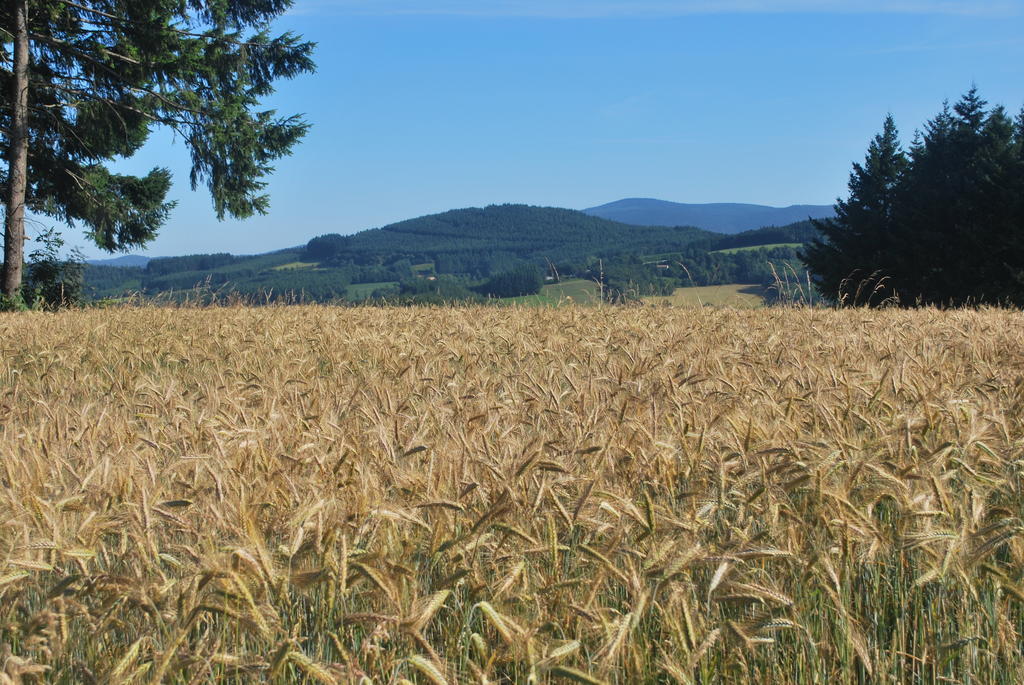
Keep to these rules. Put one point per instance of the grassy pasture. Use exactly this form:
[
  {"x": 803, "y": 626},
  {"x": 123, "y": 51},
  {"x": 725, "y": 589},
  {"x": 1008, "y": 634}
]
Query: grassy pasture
[
  {"x": 571, "y": 291},
  {"x": 732, "y": 295},
  {"x": 424, "y": 268},
  {"x": 292, "y": 266},
  {"x": 450, "y": 495},
  {"x": 358, "y": 291},
  {"x": 581, "y": 290},
  {"x": 733, "y": 250}
]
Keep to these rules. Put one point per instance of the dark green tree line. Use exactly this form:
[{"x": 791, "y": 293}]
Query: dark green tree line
[
  {"x": 941, "y": 223},
  {"x": 524, "y": 279}
]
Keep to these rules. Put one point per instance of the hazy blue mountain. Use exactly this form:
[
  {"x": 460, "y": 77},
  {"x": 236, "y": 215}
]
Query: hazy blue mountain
[
  {"x": 125, "y": 260},
  {"x": 719, "y": 217}
]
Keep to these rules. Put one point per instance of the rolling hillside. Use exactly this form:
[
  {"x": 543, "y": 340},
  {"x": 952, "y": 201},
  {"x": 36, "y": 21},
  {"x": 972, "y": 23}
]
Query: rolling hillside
[
  {"x": 452, "y": 255},
  {"x": 522, "y": 231},
  {"x": 718, "y": 217}
]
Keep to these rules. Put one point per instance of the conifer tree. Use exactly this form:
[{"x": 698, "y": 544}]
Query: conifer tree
[
  {"x": 959, "y": 223},
  {"x": 940, "y": 225},
  {"x": 1016, "y": 240},
  {"x": 86, "y": 81},
  {"x": 852, "y": 258}
]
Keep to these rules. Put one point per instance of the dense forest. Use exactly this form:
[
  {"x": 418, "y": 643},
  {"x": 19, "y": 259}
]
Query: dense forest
[
  {"x": 468, "y": 254},
  {"x": 483, "y": 242},
  {"x": 938, "y": 223}
]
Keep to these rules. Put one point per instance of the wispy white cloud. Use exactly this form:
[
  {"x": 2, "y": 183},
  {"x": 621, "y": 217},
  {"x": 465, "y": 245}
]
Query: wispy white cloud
[{"x": 656, "y": 8}]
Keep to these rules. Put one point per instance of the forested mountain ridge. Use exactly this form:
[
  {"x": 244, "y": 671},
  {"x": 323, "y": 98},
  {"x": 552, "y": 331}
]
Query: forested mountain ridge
[
  {"x": 718, "y": 217},
  {"x": 490, "y": 251},
  {"x": 483, "y": 241}
]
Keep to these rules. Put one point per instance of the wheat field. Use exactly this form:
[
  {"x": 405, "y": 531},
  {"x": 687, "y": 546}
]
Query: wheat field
[{"x": 511, "y": 495}]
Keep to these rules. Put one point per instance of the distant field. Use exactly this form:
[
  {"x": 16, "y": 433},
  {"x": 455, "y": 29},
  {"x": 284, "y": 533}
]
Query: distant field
[
  {"x": 555, "y": 495},
  {"x": 577, "y": 290},
  {"x": 580, "y": 290},
  {"x": 360, "y": 291},
  {"x": 290, "y": 266},
  {"x": 734, "y": 295},
  {"x": 424, "y": 268},
  {"x": 734, "y": 250}
]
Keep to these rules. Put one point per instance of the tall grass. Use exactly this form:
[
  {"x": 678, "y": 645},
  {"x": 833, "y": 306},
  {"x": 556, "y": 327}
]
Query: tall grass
[{"x": 496, "y": 495}]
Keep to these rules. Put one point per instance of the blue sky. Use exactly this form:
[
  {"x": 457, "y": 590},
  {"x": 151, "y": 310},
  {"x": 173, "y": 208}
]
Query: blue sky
[{"x": 419, "y": 106}]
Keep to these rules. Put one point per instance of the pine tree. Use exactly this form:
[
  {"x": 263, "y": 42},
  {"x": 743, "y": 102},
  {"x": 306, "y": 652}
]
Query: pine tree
[
  {"x": 1016, "y": 239},
  {"x": 941, "y": 225},
  {"x": 89, "y": 81},
  {"x": 958, "y": 240},
  {"x": 852, "y": 258}
]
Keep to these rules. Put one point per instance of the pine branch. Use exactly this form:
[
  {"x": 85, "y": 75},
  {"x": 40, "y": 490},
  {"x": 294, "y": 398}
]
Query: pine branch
[
  {"x": 180, "y": 32},
  {"x": 114, "y": 105},
  {"x": 62, "y": 45}
]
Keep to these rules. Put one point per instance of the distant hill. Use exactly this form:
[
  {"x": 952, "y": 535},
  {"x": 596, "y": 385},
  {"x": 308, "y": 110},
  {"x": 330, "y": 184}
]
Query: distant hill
[
  {"x": 128, "y": 260},
  {"x": 519, "y": 231},
  {"x": 472, "y": 243},
  {"x": 718, "y": 217},
  {"x": 457, "y": 253}
]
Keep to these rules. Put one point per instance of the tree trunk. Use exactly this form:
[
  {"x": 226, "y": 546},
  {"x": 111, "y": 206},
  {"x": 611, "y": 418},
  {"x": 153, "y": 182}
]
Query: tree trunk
[{"x": 17, "y": 175}]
